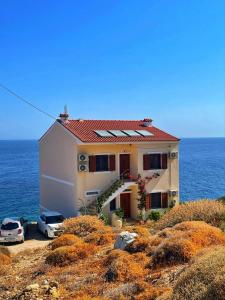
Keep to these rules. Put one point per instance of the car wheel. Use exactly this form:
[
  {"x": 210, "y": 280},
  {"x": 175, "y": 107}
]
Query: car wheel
[{"x": 46, "y": 234}]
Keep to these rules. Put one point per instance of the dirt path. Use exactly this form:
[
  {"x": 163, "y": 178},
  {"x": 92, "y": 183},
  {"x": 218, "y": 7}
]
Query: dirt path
[{"x": 34, "y": 239}]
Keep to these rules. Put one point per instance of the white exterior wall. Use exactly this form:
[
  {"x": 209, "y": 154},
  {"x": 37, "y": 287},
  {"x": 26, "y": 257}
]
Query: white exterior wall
[{"x": 58, "y": 169}]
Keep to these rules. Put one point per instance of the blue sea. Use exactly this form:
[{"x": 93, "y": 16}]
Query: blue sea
[{"x": 202, "y": 173}]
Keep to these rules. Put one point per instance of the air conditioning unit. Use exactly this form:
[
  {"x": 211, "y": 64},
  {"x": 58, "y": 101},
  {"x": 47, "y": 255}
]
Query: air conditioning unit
[
  {"x": 173, "y": 155},
  {"x": 173, "y": 193},
  {"x": 83, "y": 168},
  {"x": 83, "y": 157}
]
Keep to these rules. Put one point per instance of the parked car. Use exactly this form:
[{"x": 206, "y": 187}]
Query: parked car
[
  {"x": 13, "y": 229},
  {"x": 49, "y": 223}
]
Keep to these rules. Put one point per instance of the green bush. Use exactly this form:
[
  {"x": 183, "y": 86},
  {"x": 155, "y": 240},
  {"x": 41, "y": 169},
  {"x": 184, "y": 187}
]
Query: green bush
[
  {"x": 154, "y": 215},
  {"x": 119, "y": 212}
]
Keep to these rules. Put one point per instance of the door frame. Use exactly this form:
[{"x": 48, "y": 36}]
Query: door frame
[
  {"x": 119, "y": 160},
  {"x": 129, "y": 202}
]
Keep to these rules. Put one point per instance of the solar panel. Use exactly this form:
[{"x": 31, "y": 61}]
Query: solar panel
[
  {"x": 103, "y": 133},
  {"x": 145, "y": 132},
  {"x": 117, "y": 133},
  {"x": 131, "y": 132}
]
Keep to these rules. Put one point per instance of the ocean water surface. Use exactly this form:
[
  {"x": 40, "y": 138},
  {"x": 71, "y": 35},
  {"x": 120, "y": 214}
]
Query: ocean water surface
[{"x": 202, "y": 174}]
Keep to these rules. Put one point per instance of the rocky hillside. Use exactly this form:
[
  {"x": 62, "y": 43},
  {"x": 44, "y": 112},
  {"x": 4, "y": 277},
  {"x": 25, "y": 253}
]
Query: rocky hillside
[{"x": 182, "y": 256}]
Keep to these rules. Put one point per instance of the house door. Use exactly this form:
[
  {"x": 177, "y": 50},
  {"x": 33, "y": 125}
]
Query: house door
[
  {"x": 125, "y": 204},
  {"x": 124, "y": 164}
]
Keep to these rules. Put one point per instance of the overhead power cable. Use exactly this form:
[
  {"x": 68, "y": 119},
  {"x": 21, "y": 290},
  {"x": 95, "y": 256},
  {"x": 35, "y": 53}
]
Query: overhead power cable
[{"x": 26, "y": 101}]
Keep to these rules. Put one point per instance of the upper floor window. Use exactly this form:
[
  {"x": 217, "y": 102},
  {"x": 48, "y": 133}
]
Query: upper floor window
[
  {"x": 102, "y": 163},
  {"x": 155, "y": 161}
]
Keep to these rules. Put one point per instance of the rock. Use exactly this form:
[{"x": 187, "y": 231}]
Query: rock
[
  {"x": 54, "y": 284},
  {"x": 32, "y": 287},
  {"x": 54, "y": 292},
  {"x": 124, "y": 238},
  {"x": 45, "y": 282}
]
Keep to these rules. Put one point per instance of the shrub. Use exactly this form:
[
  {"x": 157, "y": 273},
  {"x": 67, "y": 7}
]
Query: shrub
[
  {"x": 142, "y": 231},
  {"x": 184, "y": 240},
  {"x": 221, "y": 199},
  {"x": 139, "y": 245},
  {"x": 65, "y": 240},
  {"x": 100, "y": 238},
  {"x": 4, "y": 250},
  {"x": 148, "y": 292},
  {"x": 66, "y": 255},
  {"x": 5, "y": 258},
  {"x": 121, "y": 267},
  {"x": 204, "y": 279},
  {"x": 83, "y": 225},
  {"x": 205, "y": 210},
  {"x": 154, "y": 215}
]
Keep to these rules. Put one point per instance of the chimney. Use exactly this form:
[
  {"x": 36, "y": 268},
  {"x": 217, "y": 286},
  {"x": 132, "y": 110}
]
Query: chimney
[
  {"x": 63, "y": 117},
  {"x": 147, "y": 122}
]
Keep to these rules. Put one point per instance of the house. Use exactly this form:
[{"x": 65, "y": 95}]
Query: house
[{"x": 85, "y": 160}]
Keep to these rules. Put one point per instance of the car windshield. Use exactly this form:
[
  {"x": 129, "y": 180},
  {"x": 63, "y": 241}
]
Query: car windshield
[
  {"x": 54, "y": 219},
  {"x": 10, "y": 226}
]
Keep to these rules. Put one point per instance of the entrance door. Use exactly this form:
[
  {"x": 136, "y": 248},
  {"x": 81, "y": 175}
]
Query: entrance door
[
  {"x": 124, "y": 164},
  {"x": 125, "y": 204}
]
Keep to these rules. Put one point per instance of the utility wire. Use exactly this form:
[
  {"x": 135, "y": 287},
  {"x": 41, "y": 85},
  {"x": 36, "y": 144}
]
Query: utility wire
[{"x": 26, "y": 101}]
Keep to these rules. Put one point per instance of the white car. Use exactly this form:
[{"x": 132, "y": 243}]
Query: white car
[
  {"x": 13, "y": 230},
  {"x": 49, "y": 223}
]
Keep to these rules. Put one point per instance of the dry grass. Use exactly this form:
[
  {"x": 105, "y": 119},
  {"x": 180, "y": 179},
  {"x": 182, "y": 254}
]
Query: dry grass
[
  {"x": 122, "y": 267},
  {"x": 66, "y": 255},
  {"x": 102, "y": 236},
  {"x": 184, "y": 240},
  {"x": 65, "y": 240},
  {"x": 204, "y": 279},
  {"x": 5, "y": 257},
  {"x": 209, "y": 211},
  {"x": 83, "y": 225}
]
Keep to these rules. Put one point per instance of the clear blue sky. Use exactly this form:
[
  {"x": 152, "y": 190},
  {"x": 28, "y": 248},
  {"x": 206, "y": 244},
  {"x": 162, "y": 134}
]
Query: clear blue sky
[{"x": 114, "y": 60}]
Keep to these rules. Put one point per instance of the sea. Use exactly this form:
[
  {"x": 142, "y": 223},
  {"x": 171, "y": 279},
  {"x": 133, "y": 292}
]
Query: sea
[{"x": 202, "y": 174}]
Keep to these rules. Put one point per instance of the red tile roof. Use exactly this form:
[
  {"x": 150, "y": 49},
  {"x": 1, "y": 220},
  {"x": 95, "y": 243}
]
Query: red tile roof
[{"x": 84, "y": 130}]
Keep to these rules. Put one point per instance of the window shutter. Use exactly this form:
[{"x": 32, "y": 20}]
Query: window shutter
[
  {"x": 164, "y": 200},
  {"x": 148, "y": 202},
  {"x": 92, "y": 163},
  {"x": 112, "y": 162},
  {"x": 164, "y": 161},
  {"x": 146, "y": 162}
]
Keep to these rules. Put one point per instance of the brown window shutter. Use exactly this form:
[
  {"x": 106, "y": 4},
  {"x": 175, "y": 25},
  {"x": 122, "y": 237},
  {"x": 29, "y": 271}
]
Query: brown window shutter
[
  {"x": 164, "y": 200},
  {"x": 92, "y": 163},
  {"x": 164, "y": 161},
  {"x": 146, "y": 162},
  {"x": 112, "y": 162},
  {"x": 148, "y": 202}
]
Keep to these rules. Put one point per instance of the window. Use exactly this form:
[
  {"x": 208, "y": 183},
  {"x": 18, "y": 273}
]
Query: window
[
  {"x": 156, "y": 200},
  {"x": 144, "y": 132},
  {"x": 113, "y": 205},
  {"x": 101, "y": 163},
  {"x": 103, "y": 133},
  {"x": 155, "y": 161},
  {"x": 54, "y": 219}
]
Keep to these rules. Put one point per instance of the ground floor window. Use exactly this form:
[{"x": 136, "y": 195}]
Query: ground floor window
[
  {"x": 157, "y": 200},
  {"x": 113, "y": 205}
]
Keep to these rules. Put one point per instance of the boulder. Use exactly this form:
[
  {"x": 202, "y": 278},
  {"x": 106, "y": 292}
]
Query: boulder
[
  {"x": 32, "y": 287},
  {"x": 125, "y": 238}
]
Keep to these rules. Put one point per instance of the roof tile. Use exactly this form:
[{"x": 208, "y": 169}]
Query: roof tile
[{"x": 84, "y": 130}]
